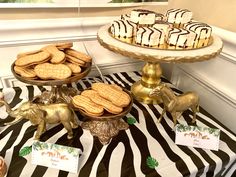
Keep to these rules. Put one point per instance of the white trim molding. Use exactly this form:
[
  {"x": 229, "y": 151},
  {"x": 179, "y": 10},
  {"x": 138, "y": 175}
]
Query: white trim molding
[
  {"x": 36, "y": 31},
  {"x": 80, "y": 4},
  {"x": 229, "y": 40}
]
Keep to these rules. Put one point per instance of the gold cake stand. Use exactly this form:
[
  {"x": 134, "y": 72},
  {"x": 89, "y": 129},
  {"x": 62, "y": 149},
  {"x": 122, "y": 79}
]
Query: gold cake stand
[
  {"x": 152, "y": 71},
  {"x": 59, "y": 93}
]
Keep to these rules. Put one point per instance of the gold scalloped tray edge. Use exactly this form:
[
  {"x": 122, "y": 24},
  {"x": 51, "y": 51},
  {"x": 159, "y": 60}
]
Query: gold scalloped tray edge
[{"x": 166, "y": 59}]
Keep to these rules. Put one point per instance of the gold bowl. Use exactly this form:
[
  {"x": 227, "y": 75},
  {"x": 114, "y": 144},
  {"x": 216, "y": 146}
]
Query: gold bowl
[{"x": 108, "y": 125}]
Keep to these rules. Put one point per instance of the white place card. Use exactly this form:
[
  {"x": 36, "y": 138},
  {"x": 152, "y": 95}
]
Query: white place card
[
  {"x": 55, "y": 156},
  {"x": 195, "y": 136}
]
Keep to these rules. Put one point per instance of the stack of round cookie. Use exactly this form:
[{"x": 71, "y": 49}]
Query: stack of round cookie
[{"x": 56, "y": 61}]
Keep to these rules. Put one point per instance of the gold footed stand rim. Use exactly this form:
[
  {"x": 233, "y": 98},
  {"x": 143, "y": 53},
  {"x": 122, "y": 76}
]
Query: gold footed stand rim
[
  {"x": 105, "y": 130},
  {"x": 151, "y": 78},
  {"x": 108, "y": 125}
]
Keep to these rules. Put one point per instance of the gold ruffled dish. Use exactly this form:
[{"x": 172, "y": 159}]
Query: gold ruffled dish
[{"x": 108, "y": 125}]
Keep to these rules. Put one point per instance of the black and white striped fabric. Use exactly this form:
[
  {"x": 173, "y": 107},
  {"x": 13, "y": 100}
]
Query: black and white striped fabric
[{"x": 126, "y": 154}]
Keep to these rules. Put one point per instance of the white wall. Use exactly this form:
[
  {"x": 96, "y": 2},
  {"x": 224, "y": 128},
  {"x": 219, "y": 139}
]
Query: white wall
[{"x": 215, "y": 12}]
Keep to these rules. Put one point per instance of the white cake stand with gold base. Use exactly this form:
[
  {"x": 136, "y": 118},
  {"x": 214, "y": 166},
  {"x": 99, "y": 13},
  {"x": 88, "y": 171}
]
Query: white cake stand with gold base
[{"x": 151, "y": 72}]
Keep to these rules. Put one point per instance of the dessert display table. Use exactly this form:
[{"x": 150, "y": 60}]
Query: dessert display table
[
  {"x": 127, "y": 154},
  {"x": 151, "y": 72}
]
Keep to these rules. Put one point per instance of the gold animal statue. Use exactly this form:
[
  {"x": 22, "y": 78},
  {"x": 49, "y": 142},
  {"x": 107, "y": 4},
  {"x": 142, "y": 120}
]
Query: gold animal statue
[
  {"x": 174, "y": 104},
  {"x": 40, "y": 114}
]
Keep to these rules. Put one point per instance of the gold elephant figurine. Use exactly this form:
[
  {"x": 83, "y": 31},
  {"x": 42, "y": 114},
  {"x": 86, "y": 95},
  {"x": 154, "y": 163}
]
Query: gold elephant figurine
[
  {"x": 40, "y": 114},
  {"x": 176, "y": 104}
]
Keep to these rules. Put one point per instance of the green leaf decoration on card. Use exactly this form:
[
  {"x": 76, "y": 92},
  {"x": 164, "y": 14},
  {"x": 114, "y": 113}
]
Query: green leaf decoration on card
[
  {"x": 25, "y": 151},
  {"x": 217, "y": 133},
  {"x": 211, "y": 131},
  {"x": 151, "y": 162},
  {"x": 180, "y": 128},
  {"x": 37, "y": 146},
  {"x": 131, "y": 120}
]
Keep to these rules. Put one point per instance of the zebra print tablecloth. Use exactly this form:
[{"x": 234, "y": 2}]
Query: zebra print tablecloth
[{"x": 126, "y": 155}]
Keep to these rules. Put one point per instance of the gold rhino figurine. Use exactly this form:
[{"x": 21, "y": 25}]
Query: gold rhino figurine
[{"x": 40, "y": 114}]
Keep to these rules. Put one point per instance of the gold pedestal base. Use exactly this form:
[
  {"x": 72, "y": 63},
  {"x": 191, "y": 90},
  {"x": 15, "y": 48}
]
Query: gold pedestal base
[
  {"x": 141, "y": 93},
  {"x": 105, "y": 130},
  {"x": 151, "y": 78}
]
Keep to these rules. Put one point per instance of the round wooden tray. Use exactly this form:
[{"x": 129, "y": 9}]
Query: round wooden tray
[
  {"x": 41, "y": 82},
  {"x": 108, "y": 116}
]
